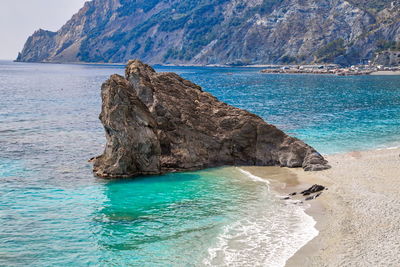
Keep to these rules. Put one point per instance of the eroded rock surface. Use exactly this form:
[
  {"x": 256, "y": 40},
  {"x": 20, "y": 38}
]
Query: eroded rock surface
[
  {"x": 221, "y": 32},
  {"x": 160, "y": 122}
]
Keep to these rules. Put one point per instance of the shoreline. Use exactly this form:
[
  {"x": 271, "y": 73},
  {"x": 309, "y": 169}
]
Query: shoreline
[
  {"x": 255, "y": 66},
  {"x": 333, "y": 72},
  {"x": 358, "y": 216},
  {"x": 282, "y": 182},
  {"x": 385, "y": 73}
]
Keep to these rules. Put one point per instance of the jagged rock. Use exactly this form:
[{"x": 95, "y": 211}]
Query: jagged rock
[
  {"x": 132, "y": 143},
  {"x": 313, "y": 189},
  {"x": 313, "y": 197},
  {"x": 160, "y": 122}
]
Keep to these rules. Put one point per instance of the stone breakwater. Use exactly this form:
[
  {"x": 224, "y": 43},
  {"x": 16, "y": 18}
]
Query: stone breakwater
[{"x": 159, "y": 122}]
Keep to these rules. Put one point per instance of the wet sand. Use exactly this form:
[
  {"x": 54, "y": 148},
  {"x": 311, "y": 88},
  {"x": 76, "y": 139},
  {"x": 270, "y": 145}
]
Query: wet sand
[
  {"x": 359, "y": 216},
  {"x": 284, "y": 181}
]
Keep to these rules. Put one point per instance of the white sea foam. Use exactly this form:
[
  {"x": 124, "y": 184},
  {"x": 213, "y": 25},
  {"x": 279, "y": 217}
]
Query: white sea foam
[
  {"x": 388, "y": 148},
  {"x": 268, "y": 233},
  {"x": 253, "y": 177}
]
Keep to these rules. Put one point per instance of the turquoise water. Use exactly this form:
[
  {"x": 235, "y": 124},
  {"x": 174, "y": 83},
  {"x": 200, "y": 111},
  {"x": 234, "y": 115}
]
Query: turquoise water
[
  {"x": 332, "y": 113},
  {"x": 53, "y": 212}
]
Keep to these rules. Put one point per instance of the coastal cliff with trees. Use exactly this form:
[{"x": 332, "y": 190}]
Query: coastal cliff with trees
[{"x": 227, "y": 32}]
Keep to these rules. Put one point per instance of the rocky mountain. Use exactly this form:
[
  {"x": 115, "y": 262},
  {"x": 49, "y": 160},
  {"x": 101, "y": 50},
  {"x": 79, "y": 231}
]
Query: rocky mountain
[
  {"x": 221, "y": 32},
  {"x": 159, "y": 122}
]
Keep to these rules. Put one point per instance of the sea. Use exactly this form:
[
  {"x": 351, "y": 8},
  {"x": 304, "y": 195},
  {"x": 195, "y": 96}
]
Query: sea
[{"x": 54, "y": 212}]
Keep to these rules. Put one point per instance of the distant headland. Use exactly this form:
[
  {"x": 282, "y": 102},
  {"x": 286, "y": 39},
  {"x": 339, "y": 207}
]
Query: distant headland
[{"x": 226, "y": 32}]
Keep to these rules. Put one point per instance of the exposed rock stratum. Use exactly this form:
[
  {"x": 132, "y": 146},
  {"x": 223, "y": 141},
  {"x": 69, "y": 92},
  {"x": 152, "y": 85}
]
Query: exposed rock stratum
[
  {"x": 233, "y": 32},
  {"x": 159, "y": 122}
]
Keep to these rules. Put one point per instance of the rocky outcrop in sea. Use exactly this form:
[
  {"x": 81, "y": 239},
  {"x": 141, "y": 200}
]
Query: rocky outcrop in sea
[{"x": 159, "y": 122}]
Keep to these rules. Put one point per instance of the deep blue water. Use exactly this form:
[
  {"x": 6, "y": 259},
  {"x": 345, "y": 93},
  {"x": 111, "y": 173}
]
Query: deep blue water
[
  {"x": 54, "y": 212},
  {"x": 332, "y": 113}
]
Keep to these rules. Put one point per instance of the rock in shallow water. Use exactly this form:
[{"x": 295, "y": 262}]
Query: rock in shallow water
[{"x": 159, "y": 122}]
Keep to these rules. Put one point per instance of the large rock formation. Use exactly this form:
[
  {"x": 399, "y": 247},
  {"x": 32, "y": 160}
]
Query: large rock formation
[
  {"x": 160, "y": 122},
  {"x": 220, "y": 32}
]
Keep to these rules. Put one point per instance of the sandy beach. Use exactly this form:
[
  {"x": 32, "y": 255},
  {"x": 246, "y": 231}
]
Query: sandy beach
[
  {"x": 358, "y": 217},
  {"x": 387, "y": 73}
]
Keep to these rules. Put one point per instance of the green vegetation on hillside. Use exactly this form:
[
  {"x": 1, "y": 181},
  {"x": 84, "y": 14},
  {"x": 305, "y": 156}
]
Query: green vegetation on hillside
[
  {"x": 85, "y": 54},
  {"x": 128, "y": 6},
  {"x": 330, "y": 51},
  {"x": 372, "y": 6},
  {"x": 182, "y": 29},
  {"x": 197, "y": 18},
  {"x": 383, "y": 45},
  {"x": 199, "y": 26},
  {"x": 267, "y": 6}
]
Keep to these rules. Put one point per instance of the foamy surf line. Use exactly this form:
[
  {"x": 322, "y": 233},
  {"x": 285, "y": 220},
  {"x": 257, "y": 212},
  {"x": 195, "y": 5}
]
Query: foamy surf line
[
  {"x": 253, "y": 177},
  {"x": 389, "y": 148},
  {"x": 266, "y": 236}
]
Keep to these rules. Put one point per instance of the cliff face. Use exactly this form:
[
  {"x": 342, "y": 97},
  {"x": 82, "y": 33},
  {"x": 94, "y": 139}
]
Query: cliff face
[
  {"x": 159, "y": 122},
  {"x": 222, "y": 32},
  {"x": 38, "y": 46},
  {"x": 387, "y": 58}
]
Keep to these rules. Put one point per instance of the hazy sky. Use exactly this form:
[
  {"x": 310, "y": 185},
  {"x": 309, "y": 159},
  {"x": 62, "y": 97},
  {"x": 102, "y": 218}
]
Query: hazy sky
[{"x": 20, "y": 18}]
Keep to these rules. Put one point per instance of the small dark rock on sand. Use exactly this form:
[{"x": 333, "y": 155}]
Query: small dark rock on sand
[
  {"x": 313, "y": 189},
  {"x": 313, "y": 192},
  {"x": 314, "y": 197}
]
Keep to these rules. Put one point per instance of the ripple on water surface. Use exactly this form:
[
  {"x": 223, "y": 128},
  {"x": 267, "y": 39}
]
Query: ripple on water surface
[
  {"x": 208, "y": 217},
  {"x": 54, "y": 212}
]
